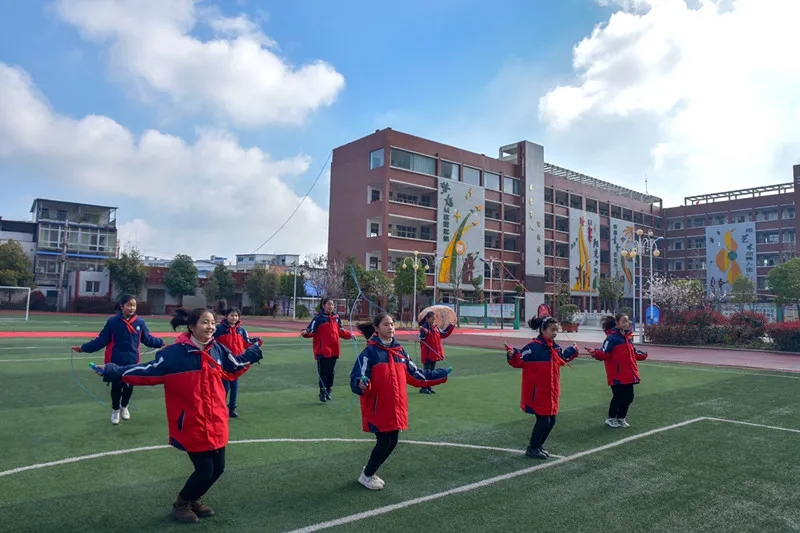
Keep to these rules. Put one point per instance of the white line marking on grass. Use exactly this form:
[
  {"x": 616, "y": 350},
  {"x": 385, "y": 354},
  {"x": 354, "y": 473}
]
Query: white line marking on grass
[
  {"x": 741, "y": 371},
  {"x": 248, "y": 441},
  {"x": 752, "y": 424},
  {"x": 486, "y": 482}
]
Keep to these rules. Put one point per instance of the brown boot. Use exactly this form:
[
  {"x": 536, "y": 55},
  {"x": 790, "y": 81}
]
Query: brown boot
[
  {"x": 182, "y": 511},
  {"x": 201, "y": 510}
]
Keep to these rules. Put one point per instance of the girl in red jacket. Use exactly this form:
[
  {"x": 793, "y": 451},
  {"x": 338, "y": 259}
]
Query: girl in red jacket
[
  {"x": 541, "y": 361},
  {"x": 430, "y": 344},
  {"x": 622, "y": 372},
  {"x": 234, "y": 337},
  {"x": 192, "y": 371},
  {"x": 326, "y": 329},
  {"x": 379, "y": 376}
]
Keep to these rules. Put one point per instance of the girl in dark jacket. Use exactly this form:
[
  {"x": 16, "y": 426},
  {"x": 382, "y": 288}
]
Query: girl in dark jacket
[
  {"x": 379, "y": 377},
  {"x": 231, "y": 334},
  {"x": 541, "y": 361},
  {"x": 121, "y": 337},
  {"x": 622, "y": 372},
  {"x": 430, "y": 344},
  {"x": 326, "y": 329}
]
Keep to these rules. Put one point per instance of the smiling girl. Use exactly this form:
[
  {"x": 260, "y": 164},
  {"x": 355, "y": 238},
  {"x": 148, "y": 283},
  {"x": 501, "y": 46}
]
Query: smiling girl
[{"x": 192, "y": 371}]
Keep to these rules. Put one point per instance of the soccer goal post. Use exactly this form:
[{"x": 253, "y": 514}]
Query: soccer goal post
[{"x": 15, "y": 303}]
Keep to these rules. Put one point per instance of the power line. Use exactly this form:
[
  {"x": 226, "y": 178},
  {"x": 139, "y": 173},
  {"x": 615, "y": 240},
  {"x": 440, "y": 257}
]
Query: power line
[{"x": 303, "y": 199}]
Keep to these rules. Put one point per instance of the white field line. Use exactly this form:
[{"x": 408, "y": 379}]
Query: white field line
[
  {"x": 786, "y": 374},
  {"x": 486, "y": 482},
  {"x": 247, "y": 441},
  {"x": 752, "y": 424}
]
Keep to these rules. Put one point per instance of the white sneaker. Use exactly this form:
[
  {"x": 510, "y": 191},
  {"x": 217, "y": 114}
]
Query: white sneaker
[
  {"x": 115, "y": 417},
  {"x": 124, "y": 413},
  {"x": 622, "y": 423},
  {"x": 371, "y": 482},
  {"x": 612, "y": 422}
]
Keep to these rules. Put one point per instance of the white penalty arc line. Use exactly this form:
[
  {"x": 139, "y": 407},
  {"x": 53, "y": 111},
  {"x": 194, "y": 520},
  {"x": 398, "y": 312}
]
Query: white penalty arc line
[{"x": 99, "y": 455}]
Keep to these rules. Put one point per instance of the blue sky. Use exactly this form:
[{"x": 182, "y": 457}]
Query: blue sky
[{"x": 469, "y": 73}]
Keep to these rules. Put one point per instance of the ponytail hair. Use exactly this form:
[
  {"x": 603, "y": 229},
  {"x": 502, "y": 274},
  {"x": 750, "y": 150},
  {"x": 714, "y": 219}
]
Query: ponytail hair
[
  {"x": 540, "y": 323},
  {"x": 368, "y": 328},
  {"x": 424, "y": 319},
  {"x": 183, "y": 317},
  {"x": 611, "y": 322},
  {"x": 323, "y": 301}
]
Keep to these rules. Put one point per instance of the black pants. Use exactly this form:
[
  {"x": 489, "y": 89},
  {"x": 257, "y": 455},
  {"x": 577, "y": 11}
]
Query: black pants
[
  {"x": 620, "y": 401},
  {"x": 326, "y": 367},
  {"x": 541, "y": 430},
  {"x": 383, "y": 449},
  {"x": 208, "y": 466},
  {"x": 120, "y": 394},
  {"x": 430, "y": 365}
]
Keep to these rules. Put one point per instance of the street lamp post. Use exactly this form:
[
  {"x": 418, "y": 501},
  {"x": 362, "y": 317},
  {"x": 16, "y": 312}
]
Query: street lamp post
[
  {"x": 642, "y": 245},
  {"x": 416, "y": 263}
]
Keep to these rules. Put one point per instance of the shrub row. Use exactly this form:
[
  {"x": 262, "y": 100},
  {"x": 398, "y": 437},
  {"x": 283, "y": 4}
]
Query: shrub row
[{"x": 709, "y": 328}]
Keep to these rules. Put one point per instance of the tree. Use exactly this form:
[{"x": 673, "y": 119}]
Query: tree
[
  {"x": 349, "y": 286},
  {"x": 16, "y": 269},
  {"x": 611, "y": 289},
  {"x": 784, "y": 282},
  {"x": 743, "y": 292},
  {"x": 676, "y": 295},
  {"x": 477, "y": 284},
  {"x": 181, "y": 278},
  {"x": 128, "y": 273},
  {"x": 325, "y": 275},
  {"x": 220, "y": 284},
  {"x": 286, "y": 284},
  {"x": 404, "y": 283},
  {"x": 378, "y": 286},
  {"x": 261, "y": 286}
]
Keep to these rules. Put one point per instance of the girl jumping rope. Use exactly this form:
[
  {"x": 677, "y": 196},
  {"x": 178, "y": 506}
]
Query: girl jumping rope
[
  {"x": 541, "y": 361},
  {"x": 379, "y": 376},
  {"x": 622, "y": 372},
  {"x": 326, "y": 329},
  {"x": 430, "y": 344},
  {"x": 234, "y": 337},
  {"x": 121, "y": 337},
  {"x": 192, "y": 371}
]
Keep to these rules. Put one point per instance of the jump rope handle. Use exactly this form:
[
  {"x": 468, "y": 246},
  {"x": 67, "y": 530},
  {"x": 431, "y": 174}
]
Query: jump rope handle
[{"x": 96, "y": 369}]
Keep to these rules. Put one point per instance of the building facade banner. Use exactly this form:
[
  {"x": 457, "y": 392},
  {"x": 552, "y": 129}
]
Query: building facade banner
[
  {"x": 460, "y": 239},
  {"x": 584, "y": 252},
  {"x": 730, "y": 252},
  {"x": 621, "y": 237},
  {"x": 532, "y": 166}
]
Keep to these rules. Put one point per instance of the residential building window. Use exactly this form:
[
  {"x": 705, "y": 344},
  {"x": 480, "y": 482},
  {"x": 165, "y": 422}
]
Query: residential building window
[
  {"x": 548, "y": 275},
  {"x": 374, "y": 229},
  {"x": 491, "y": 240},
  {"x": 605, "y": 232},
  {"x": 491, "y": 181},
  {"x": 92, "y": 286},
  {"x": 562, "y": 250},
  {"x": 376, "y": 158},
  {"x": 425, "y": 233},
  {"x": 766, "y": 215},
  {"x": 511, "y": 214},
  {"x": 627, "y": 214},
  {"x": 605, "y": 256},
  {"x": 548, "y": 195},
  {"x": 373, "y": 263},
  {"x": 616, "y": 212},
  {"x": 717, "y": 219},
  {"x": 768, "y": 237},
  {"x": 604, "y": 209},
  {"x": 449, "y": 170},
  {"x": 413, "y": 162},
  {"x": 562, "y": 198},
  {"x": 676, "y": 266},
  {"x": 562, "y": 224},
  {"x": 787, "y": 212},
  {"x": 472, "y": 176},
  {"x": 493, "y": 211},
  {"x": 575, "y": 201},
  {"x": 409, "y": 232},
  {"x": 375, "y": 195},
  {"x": 789, "y": 235},
  {"x": 741, "y": 216},
  {"x": 676, "y": 245},
  {"x": 510, "y": 185},
  {"x": 696, "y": 243},
  {"x": 61, "y": 215},
  {"x": 637, "y": 217},
  {"x": 548, "y": 248},
  {"x": 45, "y": 213},
  {"x": 768, "y": 260},
  {"x": 548, "y": 222},
  {"x": 675, "y": 223},
  {"x": 696, "y": 222},
  {"x": 591, "y": 205},
  {"x": 510, "y": 243},
  {"x": 648, "y": 220}
]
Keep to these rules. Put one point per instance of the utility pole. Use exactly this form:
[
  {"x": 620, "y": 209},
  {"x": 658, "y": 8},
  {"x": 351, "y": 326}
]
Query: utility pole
[
  {"x": 294, "y": 298},
  {"x": 63, "y": 264}
]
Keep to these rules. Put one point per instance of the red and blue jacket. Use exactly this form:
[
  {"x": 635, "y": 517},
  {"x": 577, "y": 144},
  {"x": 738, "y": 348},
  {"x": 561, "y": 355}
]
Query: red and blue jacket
[
  {"x": 197, "y": 413},
  {"x": 620, "y": 356},
  {"x": 384, "y": 404},
  {"x": 541, "y": 361},
  {"x": 121, "y": 338},
  {"x": 234, "y": 337},
  {"x": 326, "y": 331},
  {"x": 430, "y": 342}
]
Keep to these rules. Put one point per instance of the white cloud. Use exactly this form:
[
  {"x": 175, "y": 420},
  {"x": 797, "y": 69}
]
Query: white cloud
[
  {"x": 701, "y": 96},
  {"x": 212, "y": 196},
  {"x": 236, "y": 77}
]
